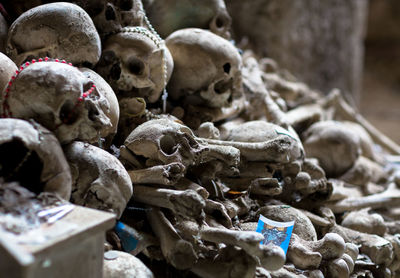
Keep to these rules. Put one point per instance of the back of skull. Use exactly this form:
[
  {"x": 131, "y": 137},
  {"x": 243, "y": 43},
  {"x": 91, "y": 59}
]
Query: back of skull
[
  {"x": 52, "y": 94},
  {"x": 133, "y": 63},
  {"x": 164, "y": 141},
  {"x": 57, "y": 30},
  {"x": 206, "y": 68}
]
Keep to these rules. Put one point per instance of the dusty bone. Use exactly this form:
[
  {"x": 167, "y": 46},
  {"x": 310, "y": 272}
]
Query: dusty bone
[
  {"x": 334, "y": 145},
  {"x": 365, "y": 222},
  {"x": 208, "y": 130},
  {"x": 303, "y": 227},
  {"x": 185, "y": 183},
  {"x": 59, "y": 109},
  {"x": 280, "y": 149},
  {"x": 345, "y": 112},
  {"x": 136, "y": 63},
  {"x": 271, "y": 257},
  {"x": 236, "y": 207},
  {"x": 363, "y": 171},
  {"x": 211, "y": 13},
  {"x": 163, "y": 141},
  {"x": 167, "y": 174},
  {"x": 31, "y": 37},
  {"x": 186, "y": 203},
  {"x": 110, "y": 16},
  {"x": 377, "y": 248},
  {"x": 337, "y": 268},
  {"x": 124, "y": 265},
  {"x": 265, "y": 186},
  {"x": 7, "y": 70},
  {"x": 309, "y": 254},
  {"x": 231, "y": 262},
  {"x": 99, "y": 179},
  {"x": 257, "y": 94},
  {"x": 25, "y": 148},
  {"x": 218, "y": 211},
  {"x": 386, "y": 199},
  {"x": 176, "y": 251}
]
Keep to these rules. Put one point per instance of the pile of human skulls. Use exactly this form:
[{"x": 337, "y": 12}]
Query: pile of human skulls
[{"x": 188, "y": 140}]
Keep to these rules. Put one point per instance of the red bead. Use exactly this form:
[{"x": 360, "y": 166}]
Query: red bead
[
  {"x": 27, "y": 64},
  {"x": 57, "y": 60},
  {"x": 33, "y": 61},
  {"x": 80, "y": 99},
  {"x": 17, "y": 72},
  {"x": 21, "y": 68},
  {"x": 13, "y": 77},
  {"x": 40, "y": 60},
  {"x": 9, "y": 83},
  {"x": 70, "y": 64},
  {"x": 46, "y": 59}
]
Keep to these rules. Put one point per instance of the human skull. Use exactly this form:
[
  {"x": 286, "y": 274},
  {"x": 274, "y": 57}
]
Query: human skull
[
  {"x": 99, "y": 179},
  {"x": 111, "y": 16},
  {"x": 334, "y": 145},
  {"x": 32, "y": 155},
  {"x": 206, "y": 69},
  {"x": 164, "y": 141},
  {"x": 206, "y": 14},
  {"x": 106, "y": 91},
  {"x": 7, "y": 70},
  {"x": 59, "y": 97},
  {"x": 136, "y": 64},
  {"x": 58, "y": 30}
]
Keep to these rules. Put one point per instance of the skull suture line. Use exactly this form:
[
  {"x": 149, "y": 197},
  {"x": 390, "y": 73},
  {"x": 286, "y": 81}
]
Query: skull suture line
[{"x": 59, "y": 97}]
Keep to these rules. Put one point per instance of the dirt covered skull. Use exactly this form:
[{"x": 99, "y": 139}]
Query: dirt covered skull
[
  {"x": 57, "y": 30},
  {"x": 164, "y": 141},
  {"x": 59, "y": 97},
  {"x": 136, "y": 64},
  {"x": 99, "y": 179},
  {"x": 206, "y": 68}
]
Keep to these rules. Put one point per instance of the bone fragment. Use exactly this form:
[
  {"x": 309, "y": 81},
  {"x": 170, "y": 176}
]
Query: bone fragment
[{"x": 161, "y": 174}]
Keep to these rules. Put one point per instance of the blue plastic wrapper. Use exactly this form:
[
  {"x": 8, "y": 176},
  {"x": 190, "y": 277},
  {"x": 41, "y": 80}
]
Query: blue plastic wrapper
[
  {"x": 277, "y": 233},
  {"x": 126, "y": 235}
]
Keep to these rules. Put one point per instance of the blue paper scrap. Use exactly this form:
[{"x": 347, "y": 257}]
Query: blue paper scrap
[
  {"x": 128, "y": 241},
  {"x": 277, "y": 233}
]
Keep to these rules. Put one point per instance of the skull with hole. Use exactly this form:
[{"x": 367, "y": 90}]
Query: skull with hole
[
  {"x": 206, "y": 14},
  {"x": 32, "y": 155},
  {"x": 136, "y": 64},
  {"x": 111, "y": 16},
  {"x": 61, "y": 98},
  {"x": 164, "y": 141},
  {"x": 206, "y": 70},
  {"x": 99, "y": 179},
  {"x": 57, "y": 30}
]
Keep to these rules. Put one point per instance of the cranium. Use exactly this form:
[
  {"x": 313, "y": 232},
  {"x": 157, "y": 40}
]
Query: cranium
[
  {"x": 59, "y": 97},
  {"x": 99, "y": 179},
  {"x": 206, "y": 69},
  {"x": 57, "y": 30},
  {"x": 31, "y": 155},
  {"x": 206, "y": 14},
  {"x": 111, "y": 16},
  {"x": 7, "y": 70},
  {"x": 334, "y": 145},
  {"x": 136, "y": 64},
  {"x": 164, "y": 141}
]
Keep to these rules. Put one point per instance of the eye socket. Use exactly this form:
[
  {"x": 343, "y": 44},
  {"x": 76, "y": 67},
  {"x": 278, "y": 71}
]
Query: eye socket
[
  {"x": 219, "y": 22},
  {"x": 167, "y": 144},
  {"x": 69, "y": 113},
  {"x": 227, "y": 68},
  {"x": 136, "y": 66}
]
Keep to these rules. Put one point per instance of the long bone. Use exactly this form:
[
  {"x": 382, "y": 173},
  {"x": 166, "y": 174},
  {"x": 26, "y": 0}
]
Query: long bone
[
  {"x": 176, "y": 251},
  {"x": 186, "y": 203},
  {"x": 388, "y": 198},
  {"x": 167, "y": 174}
]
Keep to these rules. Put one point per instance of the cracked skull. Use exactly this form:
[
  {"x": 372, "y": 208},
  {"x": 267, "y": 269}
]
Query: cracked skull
[
  {"x": 59, "y": 97},
  {"x": 57, "y": 30},
  {"x": 164, "y": 141},
  {"x": 99, "y": 179},
  {"x": 136, "y": 64},
  {"x": 32, "y": 155},
  {"x": 206, "y": 69}
]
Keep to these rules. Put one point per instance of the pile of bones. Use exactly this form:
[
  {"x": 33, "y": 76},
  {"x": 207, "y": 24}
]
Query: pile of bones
[{"x": 189, "y": 169}]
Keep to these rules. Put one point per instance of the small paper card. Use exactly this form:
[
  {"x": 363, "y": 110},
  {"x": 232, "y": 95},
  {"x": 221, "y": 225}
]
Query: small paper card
[
  {"x": 128, "y": 240},
  {"x": 277, "y": 233}
]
